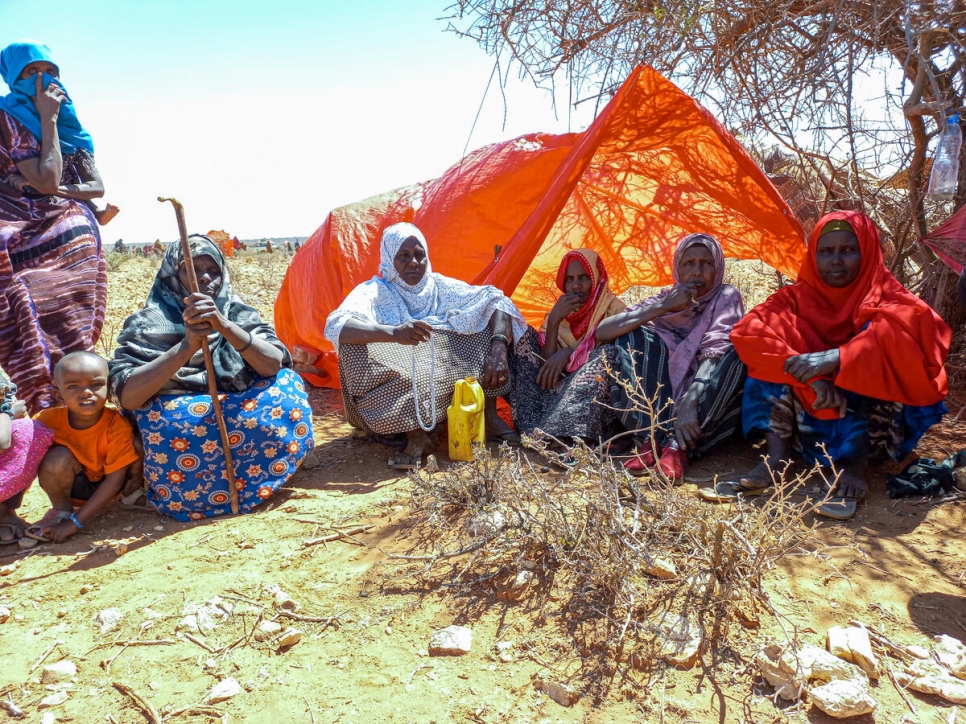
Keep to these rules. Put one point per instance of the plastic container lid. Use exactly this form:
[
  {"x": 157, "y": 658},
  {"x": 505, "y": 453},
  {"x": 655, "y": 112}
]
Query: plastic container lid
[{"x": 954, "y": 118}]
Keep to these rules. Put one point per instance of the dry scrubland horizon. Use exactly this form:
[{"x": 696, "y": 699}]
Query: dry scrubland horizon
[{"x": 570, "y": 581}]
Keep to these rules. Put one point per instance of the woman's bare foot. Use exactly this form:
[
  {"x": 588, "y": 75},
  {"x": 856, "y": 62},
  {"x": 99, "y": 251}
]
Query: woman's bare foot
[
  {"x": 417, "y": 445},
  {"x": 104, "y": 216},
  {"x": 12, "y": 525}
]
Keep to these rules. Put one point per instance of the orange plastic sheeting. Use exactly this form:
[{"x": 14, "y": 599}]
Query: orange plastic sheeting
[
  {"x": 224, "y": 241},
  {"x": 653, "y": 166}
]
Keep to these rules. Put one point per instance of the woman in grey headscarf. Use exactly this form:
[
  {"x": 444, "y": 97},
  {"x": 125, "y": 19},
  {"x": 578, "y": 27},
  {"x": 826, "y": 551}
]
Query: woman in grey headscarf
[{"x": 158, "y": 372}]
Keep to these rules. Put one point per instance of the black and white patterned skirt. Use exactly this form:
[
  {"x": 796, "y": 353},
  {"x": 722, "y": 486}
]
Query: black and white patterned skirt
[{"x": 377, "y": 379}]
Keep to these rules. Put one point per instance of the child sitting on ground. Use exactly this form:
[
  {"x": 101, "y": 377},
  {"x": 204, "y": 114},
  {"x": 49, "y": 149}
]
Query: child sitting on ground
[{"x": 95, "y": 455}]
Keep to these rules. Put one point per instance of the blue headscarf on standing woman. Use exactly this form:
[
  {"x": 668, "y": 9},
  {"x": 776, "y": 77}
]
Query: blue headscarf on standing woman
[{"x": 20, "y": 104}]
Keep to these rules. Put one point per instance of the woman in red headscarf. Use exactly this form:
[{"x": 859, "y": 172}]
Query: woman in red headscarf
[
  {"x": 560, "y": 380},
  {"x": 843, "y": 365}
]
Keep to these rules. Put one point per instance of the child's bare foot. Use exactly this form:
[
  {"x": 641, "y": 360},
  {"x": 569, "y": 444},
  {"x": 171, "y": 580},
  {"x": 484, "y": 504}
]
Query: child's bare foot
[{"x": 104, "y": 216}]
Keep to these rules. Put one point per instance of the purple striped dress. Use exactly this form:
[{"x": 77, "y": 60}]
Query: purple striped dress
[{"x": 53, "y": 277}]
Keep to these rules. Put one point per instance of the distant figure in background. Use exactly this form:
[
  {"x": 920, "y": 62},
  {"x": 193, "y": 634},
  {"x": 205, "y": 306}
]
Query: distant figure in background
[
  {"x": 298, "y": 245},
  {"x": 268, "y": 246},
  {"x": 288, "y": 247},
  {"x": 119, "y": 247},
  {"x": 53, "y": 276}
]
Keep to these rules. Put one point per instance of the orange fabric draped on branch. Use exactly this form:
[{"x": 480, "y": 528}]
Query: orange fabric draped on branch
[{"x": 655, "y": 165}]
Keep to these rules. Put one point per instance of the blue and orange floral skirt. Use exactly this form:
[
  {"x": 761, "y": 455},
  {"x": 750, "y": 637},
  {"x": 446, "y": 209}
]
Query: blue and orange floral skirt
[{"x": 269, "y": 430}]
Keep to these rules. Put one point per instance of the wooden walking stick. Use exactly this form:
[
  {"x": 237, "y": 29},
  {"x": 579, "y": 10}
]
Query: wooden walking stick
[{"x": 209, "y": 364}]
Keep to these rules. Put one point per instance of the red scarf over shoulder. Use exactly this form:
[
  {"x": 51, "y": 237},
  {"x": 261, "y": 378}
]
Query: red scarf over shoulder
[{"x": 892, "y": 345}]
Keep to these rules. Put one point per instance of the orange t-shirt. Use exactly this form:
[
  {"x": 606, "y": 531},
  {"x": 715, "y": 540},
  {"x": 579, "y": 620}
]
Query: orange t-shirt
[{"x": 101, "y": 449}]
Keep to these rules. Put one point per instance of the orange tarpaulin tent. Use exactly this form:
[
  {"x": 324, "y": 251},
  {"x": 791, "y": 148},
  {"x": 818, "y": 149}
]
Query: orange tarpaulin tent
[{"x": 655, "y": 165}]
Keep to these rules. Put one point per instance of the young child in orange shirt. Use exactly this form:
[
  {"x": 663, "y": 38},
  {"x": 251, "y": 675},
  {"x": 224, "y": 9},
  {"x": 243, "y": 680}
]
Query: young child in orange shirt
[{"x": 95, "y": 454}]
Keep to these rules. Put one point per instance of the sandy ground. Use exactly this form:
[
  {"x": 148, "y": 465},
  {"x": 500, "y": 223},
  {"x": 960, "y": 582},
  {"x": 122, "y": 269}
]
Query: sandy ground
[{"x": 899, "y": 566}]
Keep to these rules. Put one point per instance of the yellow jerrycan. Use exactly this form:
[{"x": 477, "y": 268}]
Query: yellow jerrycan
[{"x": 465, "y": 419}]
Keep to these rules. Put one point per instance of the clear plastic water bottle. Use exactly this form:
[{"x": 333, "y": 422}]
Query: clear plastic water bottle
[{"x": 945, "y": 166}]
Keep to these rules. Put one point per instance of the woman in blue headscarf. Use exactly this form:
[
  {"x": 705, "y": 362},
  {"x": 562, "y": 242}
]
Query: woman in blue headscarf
[{"x": 53, "y": 279}]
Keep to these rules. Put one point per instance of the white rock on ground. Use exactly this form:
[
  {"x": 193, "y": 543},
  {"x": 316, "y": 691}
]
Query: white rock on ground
[
  {"x": 108, "y": 619},
  {"x": 852, "y": 644},
  {"x": 451, "y": 641},
  {"x": 223, "y": 690},
  {"x": 812, "y": 663},
  {"x": 4, "y": 614},
  {"x": 560, "y": 693},
  {"x": 53, "y": 700},
  {"x": 928, "y": 677},
  {"x": 660, "y": 568},
  {"x": 267, "y": 630},
  {"x": 61, "y": 671},
  {"x": 291, "y": 637},
  {"x": 842, "y": 699},
  {"x": 788, "y": 685},
  {"x": 486, "y": 523},
  {"x": 952, "y": 654},
  {"x": 680, "y": 641}
]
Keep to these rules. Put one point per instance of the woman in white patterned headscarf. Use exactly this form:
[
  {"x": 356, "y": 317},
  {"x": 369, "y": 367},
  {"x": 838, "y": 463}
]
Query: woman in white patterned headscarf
[{"x": 455, "y": 329}]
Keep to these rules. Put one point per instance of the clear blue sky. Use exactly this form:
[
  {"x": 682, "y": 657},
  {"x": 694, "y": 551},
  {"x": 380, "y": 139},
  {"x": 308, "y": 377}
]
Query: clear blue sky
[{"x": 262, "y": 116}]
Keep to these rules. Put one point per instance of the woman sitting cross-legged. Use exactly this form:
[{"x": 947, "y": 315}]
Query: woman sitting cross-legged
[
  {"x": 158, "y": 371},
  {"x": 404, "y": 338},
  {"x": 843, "y": 365},
  {"x": 679, "y": 378},
  {"x": 561, "y": 384}
]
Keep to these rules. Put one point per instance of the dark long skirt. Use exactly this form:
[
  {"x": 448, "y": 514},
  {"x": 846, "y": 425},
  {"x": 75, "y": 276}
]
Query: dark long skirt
[
  {"x": 871, "y": 428},
  {"x": 379, "y": 388},
  {"x": 645, "y": 402},
  {"x": 579, "y": 406}
]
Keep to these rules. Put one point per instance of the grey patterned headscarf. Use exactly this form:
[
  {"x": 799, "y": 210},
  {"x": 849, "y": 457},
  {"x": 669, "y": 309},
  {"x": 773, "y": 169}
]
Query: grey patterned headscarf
[{"x": 158, "y": 327}]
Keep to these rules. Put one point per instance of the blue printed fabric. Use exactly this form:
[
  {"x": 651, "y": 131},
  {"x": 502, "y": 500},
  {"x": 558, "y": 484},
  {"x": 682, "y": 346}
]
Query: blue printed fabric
[
  {"x": 269, "y": 431},
  {"x": 872, "y": 428}
]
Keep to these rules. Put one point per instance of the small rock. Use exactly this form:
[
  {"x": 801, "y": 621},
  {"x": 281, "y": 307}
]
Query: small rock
[
  {"x": 852, "y": 644},
  {"x": 47, "y": 718},
  {"x": 189, "y": 623},
  {"x": 813, "y": 663},
  {"x": 285, "y": 601},
  {"x": 516, "y": 590},
  {"x": 660, "y": 568},
  {"x": 8, "y": 569},
  {"x": 952, "y": 654},
  {"x": 505, "y": 651},
  {"x": 159, "y": 528},
  {"x": 291, "y": 637},
  {"x": 788, "y": 685},
  {"x": 842, "y": 699},
  {"x": 920, "y": 652},
  {"x": 128, "y": 529},
  {"x": 310, "y": 461},
  {"x": 680, "y": 641},
  {"x": 61, "y": 671},
  {"x": 53, "y": 700},
  {"x": 928, "y": 677},
  {"x": 560, "y": 693},
  {"x": 267, "y": 630},
  {"x": 4, "y": 614},
  {"x": 223, "y": 690},
  {"x": 486, "y": 523},
  {"x": 108, "y": 619},
  {"x": 451, "y": 641}
]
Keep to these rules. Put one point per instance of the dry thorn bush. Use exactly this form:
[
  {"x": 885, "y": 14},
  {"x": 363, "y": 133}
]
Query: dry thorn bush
[{"x": 594, "y": 538}]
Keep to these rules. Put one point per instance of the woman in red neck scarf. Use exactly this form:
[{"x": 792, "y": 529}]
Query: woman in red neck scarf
[
  {"x": 842, "y": 365},
  {"x": 560, "y": 373}
]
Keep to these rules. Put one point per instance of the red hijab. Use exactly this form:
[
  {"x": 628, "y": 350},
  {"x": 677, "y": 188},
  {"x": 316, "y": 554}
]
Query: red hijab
[
  {"x": 892, "y": 345},
  {"x": 579, "y": 321}
]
